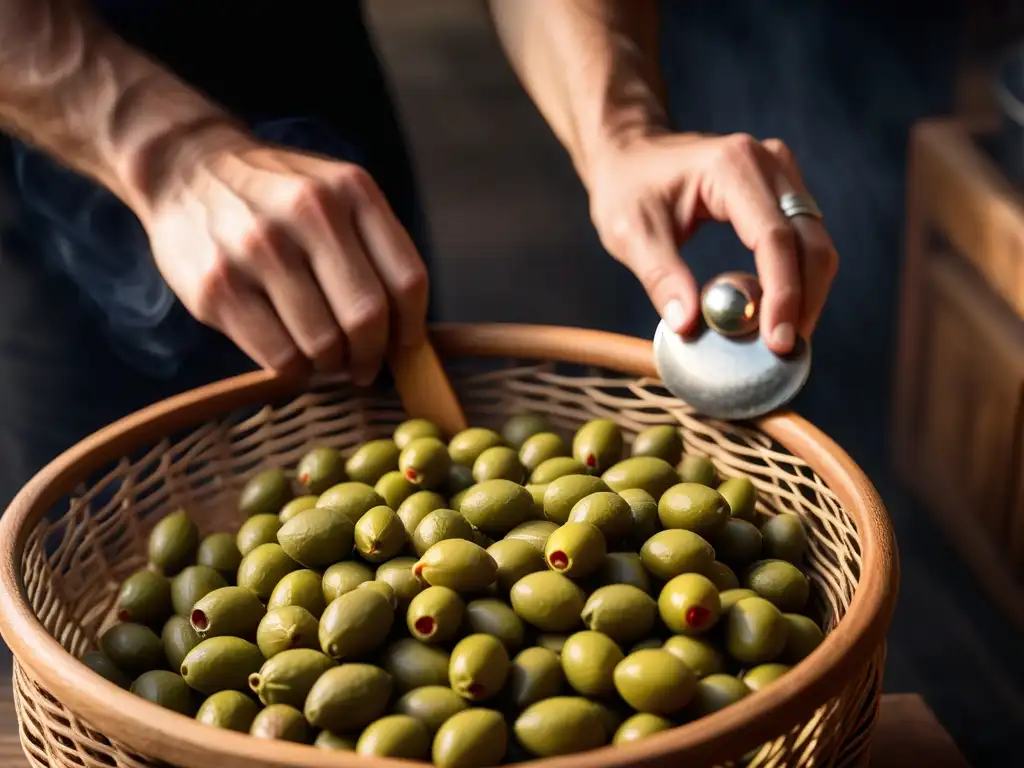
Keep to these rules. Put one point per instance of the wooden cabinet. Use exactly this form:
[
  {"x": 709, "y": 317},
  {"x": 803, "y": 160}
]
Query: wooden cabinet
[{"x": 959, "y": 407}]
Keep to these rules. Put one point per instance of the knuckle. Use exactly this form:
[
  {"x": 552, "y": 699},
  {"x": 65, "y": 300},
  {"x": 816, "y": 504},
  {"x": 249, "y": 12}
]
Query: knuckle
[
  {"x": 786, "y": 296},
  {"x": 624, "y": 227},
  {"x": 778, "y": 237},
  {"x": 354, "y": 182},
  {"x": 780, "y": 150},
  {"x": 654, "y": 277},
  {"x": 739, "y": 147},
  {"x": 412, "y": 284},
  {"x": 260, "y": 244},
  {"x": 215, "y": 290},
  {"x": 308, "y": 195},
  {"x": 365, "y": 314}
]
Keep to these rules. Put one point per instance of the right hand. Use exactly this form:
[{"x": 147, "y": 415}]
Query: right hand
[{"x": 297, "y": 258}]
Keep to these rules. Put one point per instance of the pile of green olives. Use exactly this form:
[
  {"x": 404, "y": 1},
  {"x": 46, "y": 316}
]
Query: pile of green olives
[{"x": 472, "y": 601}]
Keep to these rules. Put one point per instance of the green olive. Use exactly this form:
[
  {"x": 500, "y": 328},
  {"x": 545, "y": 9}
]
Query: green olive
[
  {"x": 640, "y": 726},
  {"x": 398, "y": 574},
  {"x": 331, "y": 741},
  {"x": 412, "y": 511},
  {"x": 106, "y": 669},
  {"x": 286, "y": 628},
  {"x": 173, "y": 543},
  {"x": 317, "y": 537},
  {"x": 738, "y": 543},
  {"x": 755, "y": 631},
  {"x": 439, "y": 525},
  {"x": 576, "y": 549},
  {"x": 256, "y": 531},
  {"x": 280, "y": 722},
  {"x": 466, "y": 446},
  {"x": 263, "y": 568},
  {"x": 556, "y": 467},
  {"x": 741, "y": 496},
  {"x": 372, "y": 460},
  {"x": 563, "y": 493},
  {"x": 397, "y": 736},
  {"x": 533, "y": 532},
  {"x": 698, "y": 654},
  {"x": 537, "y": 492},
  {"x": 662, "y": 441},
  {"x": 221, "y": 664},
  {"x": 780, "y": 582},
  {"x": 352, "y": 499},
  {"x": 588, "y": 661},
  {"x": 538, "y": 448},
  {"x": 296, "y": 505},
  {"x": 730, "y": 597},
  {"x": 178, "y": 638},
  {"x": 459, "y": 479},
  {"x": 479, "y": 667},
  {"x": 425, "y": 462},
  {"x": 409, "y": 430},
  {"x": 227, "y": 611},
  {"x": 803, "y": 635},
  {"x": 355, "y": 624},
  {"x": 219, "y": 551},
  {"x": 669, "y": 553},
  {"x": 722, "y": 576},
  {"x": 319, "y": 469},
  {"x": 648, "y": 473},
  {"x": 133, "y": 648},
  {"x": 230, "y": 710},
  {"x": 716, "y": 692},
  {"x": 496, "y": 506},
  {"x": 379, "y": 535},
  {"x": 383, "y": 588},
  {"x": 432, "y": 705},
  {"x": 621, "y": 611},
  {"x": 519, "y": 428},
  {"x": 471, "y": 739},
  {"x": 498, "y": 463},
  {"x": 644, "y": 509},
  {"x": 395, "y": 488},
  {"x": 536, "y": 674},
  {"x": 514, "y": 559},
  {"x": 413, "y": 664},
  {"x": 288, "y": 677},
  {"x": 458, "y": 564},
  {"x": 606, "y": 511},
  {"x": 488, "y": 616},
  {"x": 785, "y": 538},
  {"x": 166, "y": 689},
  {"x": 145, "y": 598},
  {"x": 344, "y": 577},
  {"x": 697, "y": 469},
  {"x": 689, "y": 604},
  {"x": 550, "y": 641},
  {"x": 598, "y": 445},
  {"x": 654, "y": 681},
  {"x": 624, "y": 568},
  {"x": 302, "y": 588},
  {"x": 435, "y": 615},
  {"x": 561, "y": 725},
  {"x": 549, "y": 601},
  {"x": 693, "y": 507},
  {"x": 265, "y": 493},
  {"x": 648, "y": 643},
  {"x": 348, "y": 697},
  {"x": 764, "y": 675}
]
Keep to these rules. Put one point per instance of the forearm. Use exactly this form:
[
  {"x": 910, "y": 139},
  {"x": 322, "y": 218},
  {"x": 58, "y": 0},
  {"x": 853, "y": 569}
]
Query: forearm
[
  {"x": 75, "y": 89},
  {"x": 591, "y": 66}
]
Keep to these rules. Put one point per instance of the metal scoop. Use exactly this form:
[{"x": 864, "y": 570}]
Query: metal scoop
[{"x": 725, "y": 370}]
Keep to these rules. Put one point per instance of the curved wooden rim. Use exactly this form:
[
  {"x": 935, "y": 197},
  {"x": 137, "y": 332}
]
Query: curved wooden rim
[{"x": 170, "y": 737}]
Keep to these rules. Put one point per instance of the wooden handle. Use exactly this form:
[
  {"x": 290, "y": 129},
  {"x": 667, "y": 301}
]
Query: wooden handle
[{"x": 424, "y": 388}]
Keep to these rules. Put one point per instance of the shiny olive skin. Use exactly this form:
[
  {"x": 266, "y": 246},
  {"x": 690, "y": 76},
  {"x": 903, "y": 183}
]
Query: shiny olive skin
[
  {"x": 425, "y": 462},
  {"x": 624, "y": 568},
  {"x": 221, "y": 664},
  {"x": 557, "y": 466},
  {"x": 549, "y": 601},
  {"x": 499, "y": 463},
  {"x": 648, "y": 473},
  {"x": 662, "y": 441},
  {"x": 348, "y": 697},
  {"x": 317, "y": 537},
  {"x": 220, "y": 552},
  {"x": 533, "y": 532},
  {"x": 296, "y": 505},
  {"x": 166, "y": 689},
  {"x": 514, "y": 559},
  {"x": 380, "y": 535},
  {"x": 606, "y": 511},
  {"x": 329, "y": 741},
  {"x": 383, "y": 588},
  {"x": 755, "y": 631},
  {"x": 397, "y": 573},
  {"x": 654, "y": 681},
  {"x": 730, "y": 597},
  {"x": 409, "y": 430},
  {"x": 145, "y": 598},
  {"x": 286, "y": 628},
  {"x": 693, "y": 507},
  {"x": 640, "y": 726},
  {"x": 803, "y": 635},
  {"x": 465, "y": 447},
  {"x": 458, "y": 564},
  {"x": 178, "y": 638},
  {"x": 764, "y": 675},
  {"x": 355, "y": 623},
  {"x": 623, "y": 612},
  {"x": 302, "y": 588},
  {"x": 479, "y": 667},
  {"x": 459, "y": 479},
  {"x": 488, "y": 616},
  {"x": 697, "y": 469},
  {"x": 496, "y": 506},
  {"x": 537, "y": 492},
  {"x": 716, "y": 692},
  {"x": 435, "y": 615},
  {"x": 344, "y": 577},
  {"x": 394, "y": 488},
  {"x": 319, "y": 469},
  {"x": 420, "y": 504},
  {"x": 227, "y": 611},
  {"x": 263, "y": 568},
  {"x": 576, "y": 549},
  {"x": 598, "y": 445},
  {"x": 780, "y": 582},
  {"x": 398, "y": 736},
  {"x": 741, "y": 496},
  {"x": 474, "y": 738},
  {"x": 672, "y": 552},
  {"x": 644, "y": 509},
  {"x": 133, "y": 648},
  {"x": 689, "y": 604},
  {"x": 519, "y": 428},
  {"x": 288, "y": 677},
  {"x": 230, "y": 710},
  {"x": 561, "y": 725},
  {"x": 412, "y": 664},
  {"x": 536, "y": 673},
  {"x": 722, "y": 576},
  {"x": 738, "y": 543},
  {"x": 701, "y": 656},
  {"x": 372, "y": 460},
  {"x": 439, "y": 525},
  {"x": 265, "y": 493},
  {"x": 106, "y": 669},
  {"x": 538, "y": 448},
  {"x": 785, "y": 538},
  {"x": 432, "y": 705},
  {"x": 563, "y": 493},
  {"x": 257, "y": 530},
  {"x": 551, "y": 641},
  {"x": 173, "y": 543},
  {"x": 588, "y": 661},
  {"x": 352, "y": 499},
  {"x": 280, "y": 722}
]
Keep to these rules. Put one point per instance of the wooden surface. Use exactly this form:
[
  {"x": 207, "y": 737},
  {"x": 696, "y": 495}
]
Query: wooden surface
[
  {"x": 424, "y": 388},
  {"x": 909, "y": 734},
  {"x": 959, "y": 407}
]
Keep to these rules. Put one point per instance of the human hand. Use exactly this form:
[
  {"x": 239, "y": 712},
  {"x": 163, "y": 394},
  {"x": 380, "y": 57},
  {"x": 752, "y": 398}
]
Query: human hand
[
  {"x": 648, "y": 195},
  {"x": 297, "y": 258}
]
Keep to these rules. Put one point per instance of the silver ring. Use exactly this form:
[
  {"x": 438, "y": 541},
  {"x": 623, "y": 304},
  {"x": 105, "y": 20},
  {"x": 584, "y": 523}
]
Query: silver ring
[{"x": 797, "y": 205}]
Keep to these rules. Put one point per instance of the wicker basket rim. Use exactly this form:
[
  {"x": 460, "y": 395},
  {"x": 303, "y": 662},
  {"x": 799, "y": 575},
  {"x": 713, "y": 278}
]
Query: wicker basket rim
[{"x": 141, "y": 725}]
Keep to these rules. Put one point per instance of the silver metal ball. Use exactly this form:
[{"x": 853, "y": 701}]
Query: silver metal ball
[{"x": 731, "y": 302}]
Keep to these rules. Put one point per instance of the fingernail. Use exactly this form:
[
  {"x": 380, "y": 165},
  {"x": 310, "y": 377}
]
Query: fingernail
[
  {"x": 784, "y": 337},
  {"x": 674, "y": 315}
]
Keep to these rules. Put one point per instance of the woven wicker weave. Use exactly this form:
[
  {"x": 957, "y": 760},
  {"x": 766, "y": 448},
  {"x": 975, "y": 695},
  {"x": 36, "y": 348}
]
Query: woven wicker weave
[{"x": 63, "y": 560}]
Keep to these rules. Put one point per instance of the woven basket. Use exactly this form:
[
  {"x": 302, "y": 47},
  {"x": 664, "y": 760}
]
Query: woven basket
[{"x": 80, "y": 526}]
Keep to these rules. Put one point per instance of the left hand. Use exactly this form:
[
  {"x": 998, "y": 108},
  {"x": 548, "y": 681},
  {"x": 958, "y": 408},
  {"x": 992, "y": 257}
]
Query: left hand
[{"x": 649, "y": 194}]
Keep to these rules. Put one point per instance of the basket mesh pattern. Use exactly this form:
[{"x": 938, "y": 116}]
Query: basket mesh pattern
[{"x": 74, "y": 562}]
